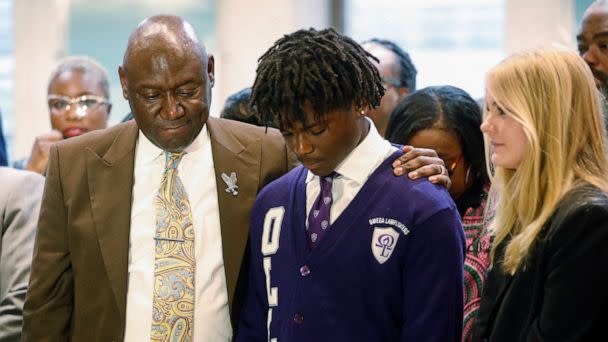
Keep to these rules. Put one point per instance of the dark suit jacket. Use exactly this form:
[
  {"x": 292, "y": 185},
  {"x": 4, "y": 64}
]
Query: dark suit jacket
[
  {"x": 562, "y": 294},
  {"x": 79, "y": 272}
]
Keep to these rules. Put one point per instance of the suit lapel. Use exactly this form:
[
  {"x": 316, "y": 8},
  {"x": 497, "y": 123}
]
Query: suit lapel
[
  {"x": 110, "y": 178},
  {"x": 229, "y": 155}
]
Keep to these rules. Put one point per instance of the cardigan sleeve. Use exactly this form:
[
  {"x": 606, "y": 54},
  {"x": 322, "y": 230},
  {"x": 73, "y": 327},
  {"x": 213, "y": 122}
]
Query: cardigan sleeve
[{"x": 433, "y": 280}]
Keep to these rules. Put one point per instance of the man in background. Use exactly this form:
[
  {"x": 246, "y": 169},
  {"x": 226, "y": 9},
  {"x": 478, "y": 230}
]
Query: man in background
[
  {"x": 19, "y": 205},
  {"x": 237, "y": 108},
  {"x": 398, "y": 76},
  {"x": 592, "y": 39}
]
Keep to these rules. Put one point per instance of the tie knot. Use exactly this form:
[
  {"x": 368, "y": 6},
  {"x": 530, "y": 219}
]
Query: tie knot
[
  {"x": 330, "y": 177},
  {"x": 172, "y": 159},
  {"x": 326, "y": 181}
]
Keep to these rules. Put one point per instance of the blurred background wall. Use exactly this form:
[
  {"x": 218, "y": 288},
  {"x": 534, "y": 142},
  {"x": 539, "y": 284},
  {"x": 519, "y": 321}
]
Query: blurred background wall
[{"x": 450, "y": 42}]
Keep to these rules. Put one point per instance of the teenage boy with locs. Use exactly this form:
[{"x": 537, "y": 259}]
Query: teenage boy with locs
[{"x": 341, "y": 249}]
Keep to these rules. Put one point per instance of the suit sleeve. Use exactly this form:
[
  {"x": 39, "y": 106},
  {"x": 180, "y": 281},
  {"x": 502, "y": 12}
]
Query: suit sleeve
[
  {"x": 18, "y": 232},
  {"x": 290, "y": 158},
  {"x": 49, "y": 301},
  {"x": 577, "y": 278},
  {"x": 433, "y": 280},
  {"x": 253, "y": 321}
]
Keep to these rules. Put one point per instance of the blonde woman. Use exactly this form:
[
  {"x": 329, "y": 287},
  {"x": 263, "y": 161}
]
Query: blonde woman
[{"x": 549, "y": 273}]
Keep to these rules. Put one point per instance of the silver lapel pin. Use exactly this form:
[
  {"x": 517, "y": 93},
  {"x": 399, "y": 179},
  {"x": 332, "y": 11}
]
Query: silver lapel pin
[{"x": 231, "y": 183}]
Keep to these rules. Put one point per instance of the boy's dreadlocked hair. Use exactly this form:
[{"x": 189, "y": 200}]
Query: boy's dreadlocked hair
[{"x": 329, "y": 70}]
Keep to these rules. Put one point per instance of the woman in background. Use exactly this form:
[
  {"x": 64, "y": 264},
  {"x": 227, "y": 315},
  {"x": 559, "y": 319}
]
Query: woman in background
[
  {"x": 549, "y": 270},
  {"x": 78, "y": 100},
  {"x": 447, "y": 119}
]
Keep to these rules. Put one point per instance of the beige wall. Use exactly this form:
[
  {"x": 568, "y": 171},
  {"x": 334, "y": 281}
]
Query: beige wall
[
  {"x": 537, "y": 23},
  {"x": 246, "y": 29},
  {"x": 40, "y": 33}
]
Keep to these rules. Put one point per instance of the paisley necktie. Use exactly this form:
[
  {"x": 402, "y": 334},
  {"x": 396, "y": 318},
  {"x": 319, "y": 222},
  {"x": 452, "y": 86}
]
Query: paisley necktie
[{"x": 173, "y": 304}]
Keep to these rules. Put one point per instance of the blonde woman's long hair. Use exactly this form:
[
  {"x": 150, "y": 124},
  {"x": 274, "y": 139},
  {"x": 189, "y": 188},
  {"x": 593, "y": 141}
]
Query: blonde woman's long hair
[{"x": 552, "y": 94}]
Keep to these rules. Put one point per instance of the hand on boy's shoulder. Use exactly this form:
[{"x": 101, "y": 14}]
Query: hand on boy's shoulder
[{"x": 422, "y": 162}]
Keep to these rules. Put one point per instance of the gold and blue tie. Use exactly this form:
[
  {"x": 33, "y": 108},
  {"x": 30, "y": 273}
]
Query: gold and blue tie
[{"x": 173, "y": 304}]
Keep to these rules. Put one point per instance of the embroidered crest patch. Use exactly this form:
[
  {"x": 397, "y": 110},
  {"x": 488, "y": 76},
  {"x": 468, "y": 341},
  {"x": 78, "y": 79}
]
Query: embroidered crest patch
[{"x": 383, "y": 243}]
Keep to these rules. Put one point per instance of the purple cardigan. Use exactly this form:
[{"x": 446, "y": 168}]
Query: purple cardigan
[{"x": 390, "y": 268}]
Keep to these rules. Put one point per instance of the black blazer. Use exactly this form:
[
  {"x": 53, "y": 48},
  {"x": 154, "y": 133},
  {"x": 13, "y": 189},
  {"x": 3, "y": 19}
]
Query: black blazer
[{"x": 562, "y": 293}]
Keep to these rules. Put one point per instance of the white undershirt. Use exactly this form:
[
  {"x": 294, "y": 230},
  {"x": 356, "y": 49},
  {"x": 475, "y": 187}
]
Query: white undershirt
[
  {"x": 353, "y": 172},
  {"x": 196, "y": 171}
]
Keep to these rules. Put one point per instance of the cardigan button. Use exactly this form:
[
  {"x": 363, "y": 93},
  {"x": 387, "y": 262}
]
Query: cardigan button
[
  {"x": 304, "y": 270},
  {"x": 298, "y": 318}
]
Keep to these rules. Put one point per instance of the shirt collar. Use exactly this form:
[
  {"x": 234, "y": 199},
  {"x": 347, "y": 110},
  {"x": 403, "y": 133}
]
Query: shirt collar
[
  {"x": 147, "y": 152},
  {"x": 362, "y": 160}
]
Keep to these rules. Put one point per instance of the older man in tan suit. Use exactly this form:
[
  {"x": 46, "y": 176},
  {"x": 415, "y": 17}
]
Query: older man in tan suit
[{"x": 95, "y": 273}]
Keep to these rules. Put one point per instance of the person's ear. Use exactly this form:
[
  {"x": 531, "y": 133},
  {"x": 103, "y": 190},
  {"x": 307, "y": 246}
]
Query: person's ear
[
  {"x": 362, "y": 110},
  {"x": 122, "y": 74},
  {"x": 211, "y": 70},
  {"x": 402, "y": 92}
]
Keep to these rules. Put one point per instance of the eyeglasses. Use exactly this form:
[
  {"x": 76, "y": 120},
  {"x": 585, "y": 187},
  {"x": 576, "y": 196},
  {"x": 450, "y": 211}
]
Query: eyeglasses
[
  {"x": 393, "y": 82},
  {"x": 60, "y": 104}
]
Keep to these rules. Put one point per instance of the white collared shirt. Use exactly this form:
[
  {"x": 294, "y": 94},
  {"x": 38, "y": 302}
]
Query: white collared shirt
[
  {"x": 353, "y": 172},
  {"x": 196, "y": 171}
]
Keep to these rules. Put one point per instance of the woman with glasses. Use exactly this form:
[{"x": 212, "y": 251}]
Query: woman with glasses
[
  {"x": 78, "y": 100},
  {"x": 447, "y": 119}
]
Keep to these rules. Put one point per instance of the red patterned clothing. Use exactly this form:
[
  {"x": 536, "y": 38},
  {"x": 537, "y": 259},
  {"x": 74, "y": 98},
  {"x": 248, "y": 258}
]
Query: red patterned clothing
[{"x": 476, "y": 261}]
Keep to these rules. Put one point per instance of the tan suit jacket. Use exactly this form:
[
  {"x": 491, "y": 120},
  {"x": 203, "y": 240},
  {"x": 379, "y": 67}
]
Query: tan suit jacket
[{"x": 78, "y": 285}]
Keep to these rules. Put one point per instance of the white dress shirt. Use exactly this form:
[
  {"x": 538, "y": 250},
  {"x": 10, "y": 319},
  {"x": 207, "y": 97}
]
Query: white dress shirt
[
  {"x": 354, "y": 170},
  {"x": 196, "y": 171}
]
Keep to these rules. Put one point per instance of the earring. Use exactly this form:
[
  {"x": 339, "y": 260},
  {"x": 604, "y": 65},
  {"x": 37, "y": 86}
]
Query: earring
[
  {"x": 362, "y": 113},
  {"x": 466, "y": 177}
]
